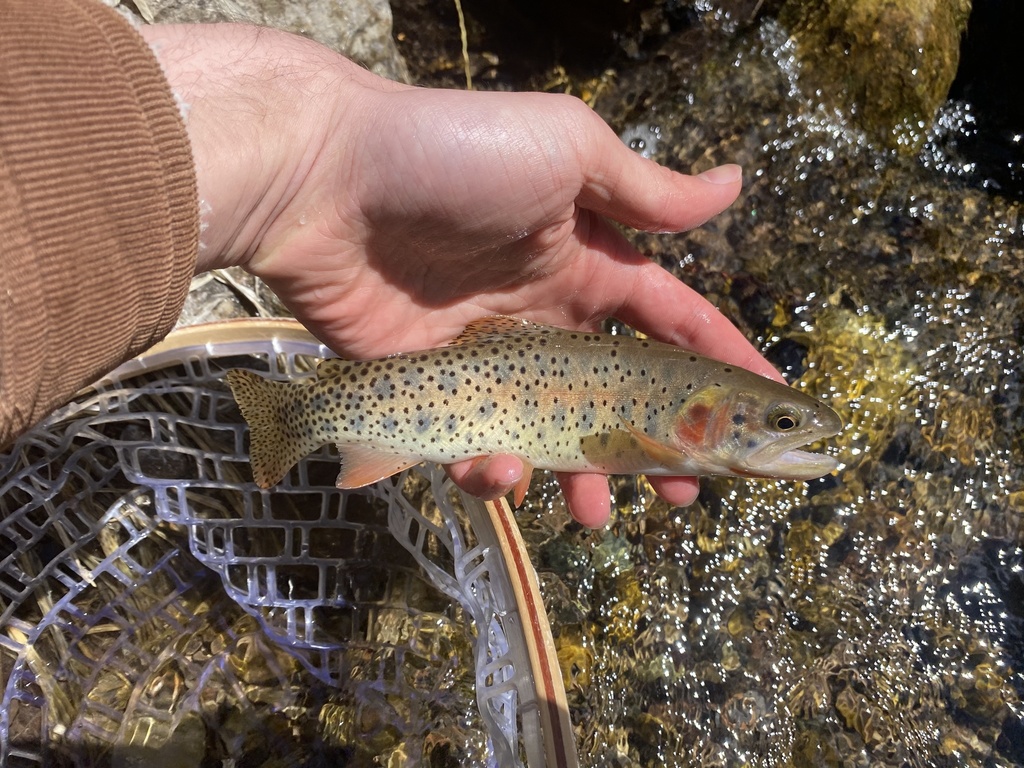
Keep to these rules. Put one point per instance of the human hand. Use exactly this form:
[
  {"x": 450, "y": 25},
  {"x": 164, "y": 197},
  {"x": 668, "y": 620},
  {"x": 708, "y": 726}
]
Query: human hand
[{"x": 388, "y": 217}]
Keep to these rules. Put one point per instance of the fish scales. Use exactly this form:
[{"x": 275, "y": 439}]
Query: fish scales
[
  {"x": 557, "y": 399},
  {"x": 523, "y": 396}
]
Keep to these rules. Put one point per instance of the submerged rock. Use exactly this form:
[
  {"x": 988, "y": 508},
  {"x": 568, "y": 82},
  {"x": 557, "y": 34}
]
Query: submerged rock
[{"x": 886, "y": 64}]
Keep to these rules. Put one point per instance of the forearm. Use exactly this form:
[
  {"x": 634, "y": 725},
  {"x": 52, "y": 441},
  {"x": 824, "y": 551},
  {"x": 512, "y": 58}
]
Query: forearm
[{"x": 98, "y": 223}]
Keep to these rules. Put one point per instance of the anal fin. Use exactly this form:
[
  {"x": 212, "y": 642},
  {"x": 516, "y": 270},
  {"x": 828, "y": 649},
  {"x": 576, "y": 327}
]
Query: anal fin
[{"x": 361, "y": 465}]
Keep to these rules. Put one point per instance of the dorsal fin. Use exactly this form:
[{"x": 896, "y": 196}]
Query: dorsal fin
[
  {"x": 501, "y": 327},
  {"x": 491, "y": 328}
]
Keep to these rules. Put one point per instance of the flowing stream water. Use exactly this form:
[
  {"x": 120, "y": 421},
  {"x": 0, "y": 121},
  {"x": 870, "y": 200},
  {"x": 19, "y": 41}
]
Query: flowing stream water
[{"x": 874, "y": 617}]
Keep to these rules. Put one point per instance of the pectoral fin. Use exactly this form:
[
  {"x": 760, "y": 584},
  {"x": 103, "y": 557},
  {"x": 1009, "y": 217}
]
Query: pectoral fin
[
  {"x": 659, "y": 452},
  {"x": 361, "y": 465}
]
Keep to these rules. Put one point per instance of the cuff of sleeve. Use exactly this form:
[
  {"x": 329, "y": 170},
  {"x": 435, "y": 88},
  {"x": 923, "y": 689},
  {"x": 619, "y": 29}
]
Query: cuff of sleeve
[{"x": 99, "y": 220}]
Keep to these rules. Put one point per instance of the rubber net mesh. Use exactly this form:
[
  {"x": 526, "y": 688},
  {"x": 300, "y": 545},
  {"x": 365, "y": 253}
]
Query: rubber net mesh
[{"x": 157, "y": 608}]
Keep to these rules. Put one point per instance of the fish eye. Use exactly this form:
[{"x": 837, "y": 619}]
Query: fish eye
[{"x": 783, "y": 420}]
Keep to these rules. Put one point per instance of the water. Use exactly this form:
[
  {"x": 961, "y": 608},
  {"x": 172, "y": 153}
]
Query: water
[{"x": 874, "y": 617}]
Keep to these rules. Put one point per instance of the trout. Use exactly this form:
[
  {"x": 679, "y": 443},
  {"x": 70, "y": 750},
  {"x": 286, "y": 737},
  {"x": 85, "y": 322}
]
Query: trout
[{"x": 562, "y": 400}]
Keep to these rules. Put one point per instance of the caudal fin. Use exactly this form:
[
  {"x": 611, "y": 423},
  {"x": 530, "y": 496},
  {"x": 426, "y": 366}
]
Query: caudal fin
[{"x": 274, "y": 444}]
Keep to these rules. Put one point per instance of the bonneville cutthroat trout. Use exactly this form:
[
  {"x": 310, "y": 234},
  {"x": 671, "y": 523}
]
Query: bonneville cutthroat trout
[{"x": 562, "y": 400}]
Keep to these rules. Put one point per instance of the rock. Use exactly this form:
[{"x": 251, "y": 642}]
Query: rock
[
  {"x": 885, "y": 64},
  {"x": 358, "y": 29}
]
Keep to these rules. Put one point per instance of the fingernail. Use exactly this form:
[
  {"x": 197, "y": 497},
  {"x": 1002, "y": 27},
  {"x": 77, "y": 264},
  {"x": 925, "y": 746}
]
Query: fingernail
[{"x": 729, "y": 173}]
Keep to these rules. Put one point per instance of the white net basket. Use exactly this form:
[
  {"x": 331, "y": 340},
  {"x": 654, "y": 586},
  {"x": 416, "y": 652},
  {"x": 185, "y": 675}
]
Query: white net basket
[{"x": 327, "y": 626}]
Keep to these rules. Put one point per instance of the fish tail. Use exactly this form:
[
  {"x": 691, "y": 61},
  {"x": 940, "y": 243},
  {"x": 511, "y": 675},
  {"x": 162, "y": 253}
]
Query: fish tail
[{"x": 274, "y": 447}]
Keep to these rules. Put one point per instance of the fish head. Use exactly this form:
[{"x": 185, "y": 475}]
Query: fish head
[{"x": 756, "y": 429}]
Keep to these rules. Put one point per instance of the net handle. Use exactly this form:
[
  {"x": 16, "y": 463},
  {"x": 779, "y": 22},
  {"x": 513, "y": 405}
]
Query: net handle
[{"x": 559, "y": 738}]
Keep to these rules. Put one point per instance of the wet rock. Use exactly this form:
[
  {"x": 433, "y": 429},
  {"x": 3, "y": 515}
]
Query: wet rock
[
  {"x": 886, "y": 65},
  {"x": 989, "y": 588},
  {"x": 790, "y": 357},
  {"x": 897, "y": 452},
  {"x": 756, "y": 304}
]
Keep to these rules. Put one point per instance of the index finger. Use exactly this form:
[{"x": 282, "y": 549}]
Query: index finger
[
  {"x": 654, "y": 301},
  {"x": 686, "y": 319}
]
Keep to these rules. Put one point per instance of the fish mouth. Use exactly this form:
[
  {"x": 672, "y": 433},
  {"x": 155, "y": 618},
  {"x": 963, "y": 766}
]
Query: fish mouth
[{"x": 790, "y": 465}]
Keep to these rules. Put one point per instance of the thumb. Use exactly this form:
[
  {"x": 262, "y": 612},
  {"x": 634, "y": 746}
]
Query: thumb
[{"x": 637, "y": 192}]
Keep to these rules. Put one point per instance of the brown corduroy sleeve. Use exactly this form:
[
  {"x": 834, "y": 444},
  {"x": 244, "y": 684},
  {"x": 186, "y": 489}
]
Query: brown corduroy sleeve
[{"x": 99, "y": 218}]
